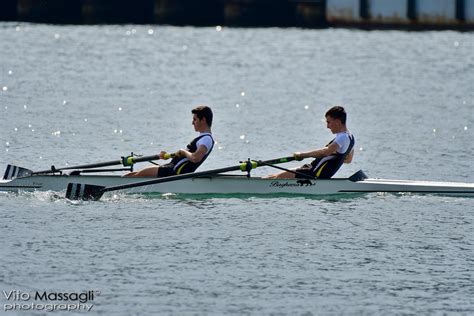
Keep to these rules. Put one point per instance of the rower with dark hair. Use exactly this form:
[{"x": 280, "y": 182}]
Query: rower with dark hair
[
  {"x": 329, "y": 158},
  {"x": 189, "y": 159}
]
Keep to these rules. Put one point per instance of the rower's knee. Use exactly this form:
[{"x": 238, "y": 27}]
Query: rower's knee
[
  {"x": 282, "y": 175},
  {"x": 147, "y": 172}
]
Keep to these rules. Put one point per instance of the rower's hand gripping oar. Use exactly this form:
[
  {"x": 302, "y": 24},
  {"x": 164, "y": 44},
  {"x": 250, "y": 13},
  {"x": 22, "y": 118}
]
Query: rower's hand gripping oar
[
  {"x": 125, "y": 161},
  {"x": 76, "y": 191}
]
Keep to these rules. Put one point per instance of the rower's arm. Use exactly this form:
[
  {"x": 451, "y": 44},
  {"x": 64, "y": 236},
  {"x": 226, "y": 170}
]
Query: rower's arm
[
  {"x": 194, "y": 157},
  {"x": 318, "y": 153},
  {"x": 349, "y": 157}
]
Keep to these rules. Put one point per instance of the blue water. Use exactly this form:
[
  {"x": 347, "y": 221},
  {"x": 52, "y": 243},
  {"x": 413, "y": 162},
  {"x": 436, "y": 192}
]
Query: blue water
[{"x": 79, "y": 94}]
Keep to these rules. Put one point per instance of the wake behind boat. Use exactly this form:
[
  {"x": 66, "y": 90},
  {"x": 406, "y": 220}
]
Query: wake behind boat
[{"x": 212, "y": 183}]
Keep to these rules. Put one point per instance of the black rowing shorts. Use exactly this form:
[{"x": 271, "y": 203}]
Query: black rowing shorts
[
  {"x": 307, "y": 170},
  {"x": 166, "y": 170}
]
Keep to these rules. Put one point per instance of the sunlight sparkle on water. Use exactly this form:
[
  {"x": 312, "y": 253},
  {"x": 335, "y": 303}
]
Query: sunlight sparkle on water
[
  {"x": 465, "y": 128},
  {"x": 237, "y": 105},
  {"x": 10, "y": 72},
  {"x": 5, "y": 88},
  {"x": 25, "y": 106},
  {"x": 456, "y": 44},
  {"x": 242, "y": 136},
  {"x": 57, "y": 36},
  {"x": 242, "y": 93},
  {"x": 306, "y": 107},
  {"x": 64, "y": 102},
  {"x": 120, "y": 108}
]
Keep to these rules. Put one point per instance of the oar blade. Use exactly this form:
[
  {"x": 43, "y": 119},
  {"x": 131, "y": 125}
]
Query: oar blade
[
  {"x": 82, "y": 191},
  {"x": 13, "y": 172}
]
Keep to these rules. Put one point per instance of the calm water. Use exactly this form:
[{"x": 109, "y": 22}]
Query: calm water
[{"x": 79, "y": 94}]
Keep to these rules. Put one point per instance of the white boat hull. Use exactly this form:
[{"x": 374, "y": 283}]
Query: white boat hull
[{"x": 213, "y": 185}]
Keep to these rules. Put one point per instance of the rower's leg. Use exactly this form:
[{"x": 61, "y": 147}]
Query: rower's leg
[
  {"x": 146, "y": 172},
  {"x": 281, "y": 175}
]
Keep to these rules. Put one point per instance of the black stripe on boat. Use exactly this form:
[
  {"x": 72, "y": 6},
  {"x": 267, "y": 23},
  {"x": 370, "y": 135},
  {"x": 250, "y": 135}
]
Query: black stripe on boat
[
  {"x": 7, "y": 171},
  {"x": 69, "y": 190}
]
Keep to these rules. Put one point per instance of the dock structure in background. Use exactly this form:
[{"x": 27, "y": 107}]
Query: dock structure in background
[
  {"x": 51, "y": 11},
  {"x": 117, "y": 11},
  {"x": 310, "y": 13},
  {"x": 259, "y": 12},
  {"x": 189, "y": 12},
  {"x": 369, "y": 14},
  {"x": 8, "y": 10},
  {"x": 415, "y": 14},
  {"x": 436, "y": 12}
]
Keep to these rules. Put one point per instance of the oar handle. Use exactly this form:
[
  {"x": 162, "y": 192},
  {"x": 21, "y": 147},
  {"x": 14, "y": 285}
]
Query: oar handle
[{"x": 130, "y": 160}]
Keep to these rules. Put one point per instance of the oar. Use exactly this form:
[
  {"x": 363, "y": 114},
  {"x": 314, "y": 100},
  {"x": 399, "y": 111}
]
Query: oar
[
  {"x": 125, "y": 161},
  {"x": 77, "y": 191},
  {"x": 303, "y": 175}
]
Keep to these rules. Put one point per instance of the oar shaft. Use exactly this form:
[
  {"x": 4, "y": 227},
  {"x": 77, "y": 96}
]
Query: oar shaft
[
  {"x": 126, "y": 161},
  {"x": 88, "y": 166},
  {"x": 243, "y": 167}
]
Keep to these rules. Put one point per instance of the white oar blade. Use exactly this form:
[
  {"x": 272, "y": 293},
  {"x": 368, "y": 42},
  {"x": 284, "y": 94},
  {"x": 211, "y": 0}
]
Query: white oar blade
[
  {"x": 80, "y": 191},
  {"x": 13, "y": 172}
]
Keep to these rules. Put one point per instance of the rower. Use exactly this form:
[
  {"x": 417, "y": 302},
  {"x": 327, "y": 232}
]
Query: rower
[
  {"x": 189, "y": 159},
  {"x": 329, "y": 158}
]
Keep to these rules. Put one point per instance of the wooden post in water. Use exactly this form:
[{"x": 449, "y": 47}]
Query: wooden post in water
[
  {"x": 117, "y": 11},
  {"x": 51, "y": 11},
  {"x": 461, "y": 10}
]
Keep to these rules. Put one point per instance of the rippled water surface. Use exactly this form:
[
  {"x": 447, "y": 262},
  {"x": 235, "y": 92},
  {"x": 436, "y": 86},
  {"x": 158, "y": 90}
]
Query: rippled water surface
[{"x": 79, "y": 94}]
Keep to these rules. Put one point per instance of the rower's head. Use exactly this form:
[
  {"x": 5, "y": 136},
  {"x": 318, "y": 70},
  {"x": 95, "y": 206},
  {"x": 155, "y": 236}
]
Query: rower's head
[
  {"x": 202, "y": 117},
  {"x": 336, "y": 119}
]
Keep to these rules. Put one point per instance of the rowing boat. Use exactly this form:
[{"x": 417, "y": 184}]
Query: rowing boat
[{"x": 238, "y": 184}]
